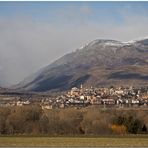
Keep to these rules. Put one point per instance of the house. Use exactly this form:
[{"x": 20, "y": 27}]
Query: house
[
  {"x": 108, "y": 101},
  {"x": 47, "y": 107}
]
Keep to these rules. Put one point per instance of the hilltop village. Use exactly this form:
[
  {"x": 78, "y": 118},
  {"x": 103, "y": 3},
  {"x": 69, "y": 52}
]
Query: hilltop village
[{"x": 118, "y": 97}]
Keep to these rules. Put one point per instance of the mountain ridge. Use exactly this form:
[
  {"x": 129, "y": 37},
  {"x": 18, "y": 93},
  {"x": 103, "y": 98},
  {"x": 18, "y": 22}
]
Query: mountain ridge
[{"x": 98, "y": 63}]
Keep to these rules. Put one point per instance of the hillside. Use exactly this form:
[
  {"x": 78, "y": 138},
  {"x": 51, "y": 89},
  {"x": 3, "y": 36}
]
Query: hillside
[{"x": 99, "y": 63}]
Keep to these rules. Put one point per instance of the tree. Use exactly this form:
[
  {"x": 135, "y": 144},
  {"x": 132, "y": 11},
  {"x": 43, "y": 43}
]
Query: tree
[
  {"x": 44, "y": 124},
  {"x": 4, "y": 112},
  {"x": 144, "y": 128},
  {"x": 96, "y": 122},
  {"x": 133, "y": 125}
]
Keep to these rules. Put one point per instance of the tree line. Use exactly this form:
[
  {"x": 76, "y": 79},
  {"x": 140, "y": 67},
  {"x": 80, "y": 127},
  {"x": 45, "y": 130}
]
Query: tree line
[{"x": 87, "y": 121}]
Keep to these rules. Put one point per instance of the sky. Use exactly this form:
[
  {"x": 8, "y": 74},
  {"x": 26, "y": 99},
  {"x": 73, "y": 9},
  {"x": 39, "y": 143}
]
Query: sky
[{"x": 34, "y": 34}]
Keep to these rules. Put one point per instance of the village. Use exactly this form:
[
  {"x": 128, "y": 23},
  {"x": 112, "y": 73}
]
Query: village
[{"x": 115, "y": 97}]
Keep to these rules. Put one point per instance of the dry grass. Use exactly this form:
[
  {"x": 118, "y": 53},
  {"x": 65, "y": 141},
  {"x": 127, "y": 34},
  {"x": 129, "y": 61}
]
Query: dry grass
[{"x": 74, "y": 141}]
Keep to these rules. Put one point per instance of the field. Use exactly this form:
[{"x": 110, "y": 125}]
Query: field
[{"x": 134, "y": 141}]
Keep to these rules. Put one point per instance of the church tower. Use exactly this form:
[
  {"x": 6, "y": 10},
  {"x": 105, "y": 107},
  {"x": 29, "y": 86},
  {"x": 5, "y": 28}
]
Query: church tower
[{"x": 81, "y": 88}]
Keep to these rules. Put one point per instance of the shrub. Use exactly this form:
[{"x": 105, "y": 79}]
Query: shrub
[{"x": 119, "y": 129}]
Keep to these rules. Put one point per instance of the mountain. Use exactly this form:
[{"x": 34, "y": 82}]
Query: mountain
[
  {"x": 3, "y": 89},
  {"x": 99, "y": 63}
]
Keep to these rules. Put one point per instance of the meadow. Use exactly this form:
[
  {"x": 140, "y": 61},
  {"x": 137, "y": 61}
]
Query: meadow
[{"x": 114, "y": 141}]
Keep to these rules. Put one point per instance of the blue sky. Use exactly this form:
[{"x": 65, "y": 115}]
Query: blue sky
[
  {"x": 34, "y": 34},
  {"x": 97, "y": 11}
]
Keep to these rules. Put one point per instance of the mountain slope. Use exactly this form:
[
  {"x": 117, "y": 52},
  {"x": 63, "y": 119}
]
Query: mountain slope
[{"x": 99, "y": 63}]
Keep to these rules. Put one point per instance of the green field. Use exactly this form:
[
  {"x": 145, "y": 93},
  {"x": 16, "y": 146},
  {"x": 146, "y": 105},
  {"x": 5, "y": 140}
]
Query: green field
[{"x": 138, "y": 141}]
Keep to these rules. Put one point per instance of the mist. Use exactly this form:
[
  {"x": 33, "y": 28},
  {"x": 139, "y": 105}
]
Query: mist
[{"x": 27, "y": 44}]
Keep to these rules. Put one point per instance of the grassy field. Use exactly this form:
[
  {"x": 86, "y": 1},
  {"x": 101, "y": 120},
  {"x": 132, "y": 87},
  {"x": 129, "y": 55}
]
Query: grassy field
[{"x": 137, "y": 141}]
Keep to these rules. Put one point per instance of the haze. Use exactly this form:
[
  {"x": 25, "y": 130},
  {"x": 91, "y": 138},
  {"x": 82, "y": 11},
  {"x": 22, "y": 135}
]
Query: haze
[{"x": 34, "y": 34}]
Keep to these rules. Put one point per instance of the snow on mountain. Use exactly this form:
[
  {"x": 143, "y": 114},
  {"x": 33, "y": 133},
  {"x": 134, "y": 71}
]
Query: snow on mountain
[
  {"x": 135, "y": 41},
  {"x": 100, "y": 62}
]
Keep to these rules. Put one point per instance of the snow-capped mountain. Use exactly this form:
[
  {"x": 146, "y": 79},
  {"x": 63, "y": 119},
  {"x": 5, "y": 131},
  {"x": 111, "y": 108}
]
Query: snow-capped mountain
[{"x": 98, "y": 63}]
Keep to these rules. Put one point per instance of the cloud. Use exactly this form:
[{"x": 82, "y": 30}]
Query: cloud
[{"x": 26, "y": 45}]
